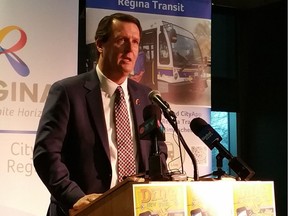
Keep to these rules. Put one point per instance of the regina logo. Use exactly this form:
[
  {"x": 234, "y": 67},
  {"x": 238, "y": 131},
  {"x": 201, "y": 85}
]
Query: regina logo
[{"x": 16, "y": 62}]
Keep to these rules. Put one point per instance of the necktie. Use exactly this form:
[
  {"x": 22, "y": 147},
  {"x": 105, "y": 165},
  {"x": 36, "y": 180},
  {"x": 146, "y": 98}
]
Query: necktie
[{"x": 126, "y": 161}]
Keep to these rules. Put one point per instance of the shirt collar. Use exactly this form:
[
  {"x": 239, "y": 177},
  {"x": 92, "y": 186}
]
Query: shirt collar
[{"x": 108, "y": 86}]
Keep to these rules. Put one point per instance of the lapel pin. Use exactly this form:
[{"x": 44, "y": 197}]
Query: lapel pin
[{"x": 137, "y": 101}]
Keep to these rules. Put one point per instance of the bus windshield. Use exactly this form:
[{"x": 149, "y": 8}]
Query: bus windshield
[{"x": 185, "y": 49}]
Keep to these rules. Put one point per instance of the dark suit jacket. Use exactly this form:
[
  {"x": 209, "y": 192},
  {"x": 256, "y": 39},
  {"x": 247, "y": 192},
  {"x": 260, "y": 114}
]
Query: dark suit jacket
[{"x": 71, "y": 153}]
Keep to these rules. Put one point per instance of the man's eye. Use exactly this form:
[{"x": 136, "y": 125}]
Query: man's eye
[
  {"x": 121, "y": 41},
  {"x": 136, "y": 42}
]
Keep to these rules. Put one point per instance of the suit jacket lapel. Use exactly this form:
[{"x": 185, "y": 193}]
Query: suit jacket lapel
[
  {"x": 137, "y": 106},
  {"x": 95, "y": 108},
  {"x": 138, "y": 102}
]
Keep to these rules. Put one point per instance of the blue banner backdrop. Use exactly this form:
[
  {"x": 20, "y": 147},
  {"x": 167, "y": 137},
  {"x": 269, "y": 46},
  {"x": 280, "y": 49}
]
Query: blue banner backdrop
[
  {"x": 174, "y": 58},
  {"x": 185, "y": 8}
]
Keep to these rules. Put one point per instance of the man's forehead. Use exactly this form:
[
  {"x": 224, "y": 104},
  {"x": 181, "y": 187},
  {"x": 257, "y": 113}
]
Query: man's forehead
[{"x": 119, "y": 27}]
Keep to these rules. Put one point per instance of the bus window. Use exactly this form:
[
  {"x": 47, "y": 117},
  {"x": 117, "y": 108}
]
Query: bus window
[{"x": 163, "y": 50}]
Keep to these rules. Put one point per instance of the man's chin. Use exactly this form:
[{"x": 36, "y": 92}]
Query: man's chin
[{"x": 127, "y": 70}]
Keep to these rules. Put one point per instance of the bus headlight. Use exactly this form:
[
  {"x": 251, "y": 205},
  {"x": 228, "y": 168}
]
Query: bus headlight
[{"x": 175, "y": 75}]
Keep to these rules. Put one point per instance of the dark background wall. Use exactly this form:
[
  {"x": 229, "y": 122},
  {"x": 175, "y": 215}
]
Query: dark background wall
[{"x": 249, "y": 76}]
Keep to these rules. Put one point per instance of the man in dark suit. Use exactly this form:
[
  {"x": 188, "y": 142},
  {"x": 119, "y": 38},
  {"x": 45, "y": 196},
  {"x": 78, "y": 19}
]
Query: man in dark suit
[{"x": 75, "y": 151}]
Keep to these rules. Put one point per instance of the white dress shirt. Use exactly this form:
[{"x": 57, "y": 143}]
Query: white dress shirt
[{"x": 108, "y": 88}]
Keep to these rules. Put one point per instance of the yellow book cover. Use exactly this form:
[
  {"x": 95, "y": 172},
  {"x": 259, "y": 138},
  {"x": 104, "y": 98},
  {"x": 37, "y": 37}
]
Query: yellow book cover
[
  {"x": 165, "y": 199},
  {"x": 254, "y": 198},
  {"x": 209, "y": 198}
]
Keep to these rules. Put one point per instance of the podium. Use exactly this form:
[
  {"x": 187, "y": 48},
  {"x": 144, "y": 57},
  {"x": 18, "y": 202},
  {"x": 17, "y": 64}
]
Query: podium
[
  {"x": 117, "y": 201},
  {"x": 201, "y": 198}
]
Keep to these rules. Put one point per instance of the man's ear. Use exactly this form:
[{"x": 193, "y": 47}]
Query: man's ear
[{"x": 99, "y": 46}]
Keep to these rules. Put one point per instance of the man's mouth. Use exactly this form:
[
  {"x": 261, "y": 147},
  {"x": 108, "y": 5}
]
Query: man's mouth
[{"x": 126, "y": 59}]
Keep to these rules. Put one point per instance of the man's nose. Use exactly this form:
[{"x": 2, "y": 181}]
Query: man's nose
[{"x": 128, "y": 45}]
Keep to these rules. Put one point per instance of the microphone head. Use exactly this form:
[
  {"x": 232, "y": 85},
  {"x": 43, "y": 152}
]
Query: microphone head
[
  {"x": 151, "y": 111},
  {"x": 205, "y": 132},
  {"x": 152, "y": 94},
  {"x": 197, "y": 124},
  {"x": 152, "y": 123}
]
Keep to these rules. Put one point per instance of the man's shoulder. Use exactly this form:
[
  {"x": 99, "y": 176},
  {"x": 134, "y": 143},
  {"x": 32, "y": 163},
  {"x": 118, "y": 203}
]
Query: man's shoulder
[
  {"x": 138, "y": 86},
  {"x": 77, "y": 79}
]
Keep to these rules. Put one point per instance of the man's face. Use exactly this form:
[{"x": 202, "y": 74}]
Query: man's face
[{"x": 120, "y": 51}]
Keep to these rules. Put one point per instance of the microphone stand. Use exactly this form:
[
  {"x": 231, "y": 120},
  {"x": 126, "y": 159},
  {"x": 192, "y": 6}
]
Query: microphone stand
[
  {"x": 154, "y": 140},
  {"x": 236, "y": 164},
  {"x": 155, "y": 168},
  {"x": 155, "y": 164},
  {"x": 172, "y": 120},
  {"x": 219, "y": 172}
]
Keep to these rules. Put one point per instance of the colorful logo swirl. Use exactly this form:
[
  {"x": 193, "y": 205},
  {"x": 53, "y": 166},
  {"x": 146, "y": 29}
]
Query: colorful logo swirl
[{"x": 19, "y": 66}]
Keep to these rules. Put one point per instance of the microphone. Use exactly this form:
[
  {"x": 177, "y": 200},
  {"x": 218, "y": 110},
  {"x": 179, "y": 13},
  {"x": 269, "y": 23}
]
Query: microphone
[
  {"x": 209, "y": 136},
  {"x": 155, "y": 97},
  {"x": 212, "y": 139},
  {"x": 152, "y": 129},
  {"x": 152, "y": 125}
]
